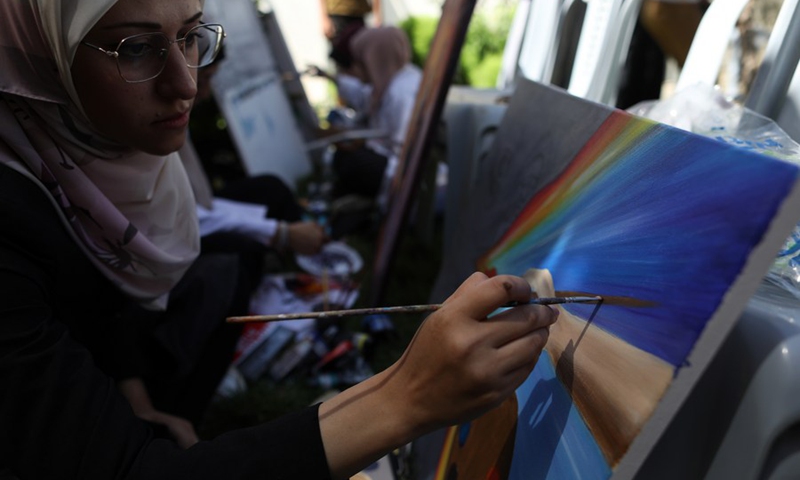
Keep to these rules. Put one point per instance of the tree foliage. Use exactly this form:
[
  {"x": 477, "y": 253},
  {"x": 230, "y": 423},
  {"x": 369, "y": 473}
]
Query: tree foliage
[{"x": 482, "y": 53}]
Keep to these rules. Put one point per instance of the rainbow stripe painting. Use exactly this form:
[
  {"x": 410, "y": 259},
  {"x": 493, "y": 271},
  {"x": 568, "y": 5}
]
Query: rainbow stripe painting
[{"x": 674, "y": 230}]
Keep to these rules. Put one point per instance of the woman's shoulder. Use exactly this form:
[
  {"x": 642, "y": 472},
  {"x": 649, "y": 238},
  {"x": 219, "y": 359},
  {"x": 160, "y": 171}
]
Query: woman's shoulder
[
  {"x": 32, "y": 230},
  {"x": 35, "y": 244},
  {"x": 402, "y": 91},
  {"x": 24, "y": 206}
]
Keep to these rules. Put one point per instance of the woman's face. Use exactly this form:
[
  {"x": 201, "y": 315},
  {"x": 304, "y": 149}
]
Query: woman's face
[{"x": 150, "y": 116}]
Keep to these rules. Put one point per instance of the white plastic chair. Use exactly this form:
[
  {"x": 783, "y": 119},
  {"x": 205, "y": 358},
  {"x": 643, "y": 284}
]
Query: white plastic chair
[
  {"x": 775, "y": 93},
  {"x": 509, "y": 65},
  {"x": 603, "y": 48},
  {"x": 710, "y": 42},
  {"x": 539, "y": 41}
]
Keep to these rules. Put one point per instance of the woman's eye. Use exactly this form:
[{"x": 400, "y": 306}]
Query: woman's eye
[
  {"x": 137, "y": 49},
  {"x": 191, "y": 38}
]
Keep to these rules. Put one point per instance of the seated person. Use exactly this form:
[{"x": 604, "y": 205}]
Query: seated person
[
  {"x": 278, "y": 215},
  {"x": 672, "y": 24},
  {"x": 248, "y": 216},
  {"x": 381, "y": 85}
]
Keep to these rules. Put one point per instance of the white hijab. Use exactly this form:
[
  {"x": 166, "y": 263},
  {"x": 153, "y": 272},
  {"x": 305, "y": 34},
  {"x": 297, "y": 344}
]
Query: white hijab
[{"x": 131, "y": 212}]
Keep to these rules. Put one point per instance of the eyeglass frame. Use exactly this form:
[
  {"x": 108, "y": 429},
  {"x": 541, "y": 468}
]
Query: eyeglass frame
[{"x": 181, "y": 44}]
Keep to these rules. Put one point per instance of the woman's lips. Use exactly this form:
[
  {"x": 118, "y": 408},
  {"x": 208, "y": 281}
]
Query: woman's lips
[{"x": 176, "y": 121}]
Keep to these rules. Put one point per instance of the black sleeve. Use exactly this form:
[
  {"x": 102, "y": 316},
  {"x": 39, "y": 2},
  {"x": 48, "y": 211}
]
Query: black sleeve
[
  {"x": 61, "y": 417},
  {"x": 38, "y": 250}
]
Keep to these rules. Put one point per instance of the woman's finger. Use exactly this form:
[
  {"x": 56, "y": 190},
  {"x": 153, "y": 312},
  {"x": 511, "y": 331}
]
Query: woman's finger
[
  {"x": 522, "y": 352},
  {"x": 515, "y": 322},
  {"x": 479, "y": 296},
  {"x": 466, "y": 285}
]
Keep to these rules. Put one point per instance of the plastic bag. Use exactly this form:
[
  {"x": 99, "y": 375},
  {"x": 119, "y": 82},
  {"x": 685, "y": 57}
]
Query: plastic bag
[{"x": 704, "y": 110}]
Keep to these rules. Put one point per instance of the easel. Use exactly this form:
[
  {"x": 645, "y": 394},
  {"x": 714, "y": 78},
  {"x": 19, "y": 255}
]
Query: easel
[
  {"x": 437, "y": 75},
  {"x": 307, "y": 117}
]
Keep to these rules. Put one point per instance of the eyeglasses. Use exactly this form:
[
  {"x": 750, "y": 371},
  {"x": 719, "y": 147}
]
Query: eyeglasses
[{"x": 142, "y": 57}]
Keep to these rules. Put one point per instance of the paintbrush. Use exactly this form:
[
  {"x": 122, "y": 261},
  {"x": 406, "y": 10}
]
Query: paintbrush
[{"x": 401, "y": 309}]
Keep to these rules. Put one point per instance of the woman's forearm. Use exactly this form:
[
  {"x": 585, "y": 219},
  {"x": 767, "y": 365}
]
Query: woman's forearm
[
  {"x": 458, "y": 365},
  {"x": 364, "y": 423}
]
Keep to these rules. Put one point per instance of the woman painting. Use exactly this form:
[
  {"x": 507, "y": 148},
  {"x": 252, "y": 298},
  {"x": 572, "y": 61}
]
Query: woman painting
[{"x": 96, "y": 213}]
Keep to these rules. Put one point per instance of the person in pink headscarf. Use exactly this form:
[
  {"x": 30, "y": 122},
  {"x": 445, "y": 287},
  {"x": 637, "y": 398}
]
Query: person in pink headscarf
[
  {"x": 381, "y": 85},
  {"x": 79, "y": 133},
  {"x": 97, "y": 215}
]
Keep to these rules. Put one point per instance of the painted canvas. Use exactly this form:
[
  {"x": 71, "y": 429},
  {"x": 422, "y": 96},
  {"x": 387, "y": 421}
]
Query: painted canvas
[
  {"x": 250, "y": 90},
  {"x": 675, "y": 231}
]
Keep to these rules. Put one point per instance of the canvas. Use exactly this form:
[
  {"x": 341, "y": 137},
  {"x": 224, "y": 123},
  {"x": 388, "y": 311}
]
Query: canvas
[
  {"x": 249, "y": 87},
  {"x": 674, "y": 230}
]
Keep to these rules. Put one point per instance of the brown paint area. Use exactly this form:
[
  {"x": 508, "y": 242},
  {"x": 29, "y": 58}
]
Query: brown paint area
[
  {"x": 489, "y": 446},
  {"x": 607, "y": 299},
  {"x": 614, "y": 385}
]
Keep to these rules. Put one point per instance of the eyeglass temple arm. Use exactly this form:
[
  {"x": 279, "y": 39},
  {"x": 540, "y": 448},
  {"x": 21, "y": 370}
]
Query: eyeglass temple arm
[{"x": 107, "y": 52}]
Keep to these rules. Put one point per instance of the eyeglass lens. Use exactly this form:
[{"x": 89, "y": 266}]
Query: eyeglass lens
[{"x": 142, "y": 57}]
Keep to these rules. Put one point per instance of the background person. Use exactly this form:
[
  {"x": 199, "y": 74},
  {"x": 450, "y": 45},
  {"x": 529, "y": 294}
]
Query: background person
[
  {"x": 249, "y": 216},
  {"x": 338, "y": 15},
  {"x": 382, "y": 89}
]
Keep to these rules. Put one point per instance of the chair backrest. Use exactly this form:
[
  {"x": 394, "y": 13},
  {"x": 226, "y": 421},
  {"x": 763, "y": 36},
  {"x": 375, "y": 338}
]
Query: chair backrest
[
  {"x": 541, "y": 40},
  {"x": 602, "y": 49},
  {"x": 541, "y": 43},
  {"x": 775, "y": 92},
  {"x": 778, "y": 70},
  {"x": 579, "y": 45},
  {"x": 511, "y": 52},
  {"x": 710, "y": 43}
]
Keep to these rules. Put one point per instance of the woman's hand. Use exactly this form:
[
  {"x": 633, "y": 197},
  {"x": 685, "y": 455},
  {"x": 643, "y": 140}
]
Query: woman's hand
[
  {"x": 182, "y": 430},
  {"x": 135, "y": 391},
  {"x": 306, "y": 238},
  {"x": 459, "y": 365}
]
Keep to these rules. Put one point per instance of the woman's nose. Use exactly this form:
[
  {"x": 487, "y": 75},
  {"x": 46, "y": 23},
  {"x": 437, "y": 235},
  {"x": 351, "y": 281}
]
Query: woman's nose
[{"x": 177, "y": 80}]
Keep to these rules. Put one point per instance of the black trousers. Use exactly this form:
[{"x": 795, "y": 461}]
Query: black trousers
[
  {"x": 185, "y": 351},
  {"x": 358, "y": 171}
]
